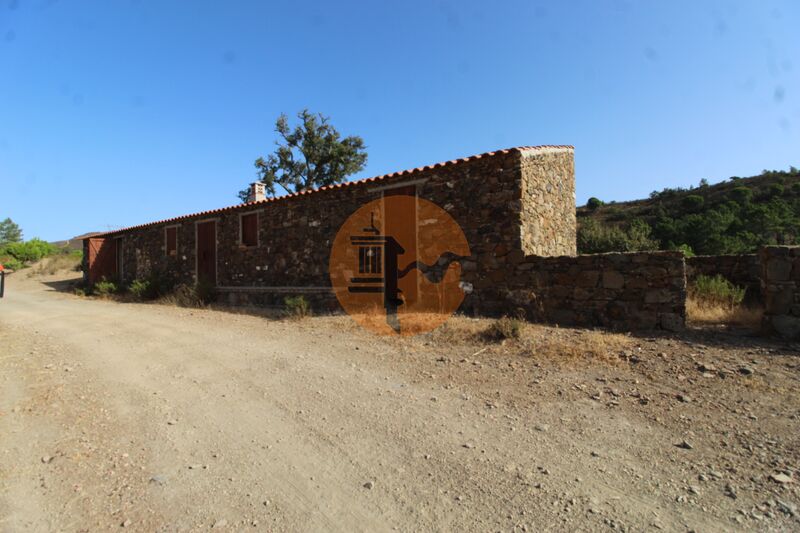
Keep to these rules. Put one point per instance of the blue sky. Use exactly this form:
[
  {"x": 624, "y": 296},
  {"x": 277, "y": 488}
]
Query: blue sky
[{"x": 115, "y": 113}]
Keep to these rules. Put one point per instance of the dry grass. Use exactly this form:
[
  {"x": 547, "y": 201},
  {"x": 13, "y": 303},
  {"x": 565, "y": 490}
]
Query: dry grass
[
  {"x": 702, "y": 312},
  {"x": 183, "y": 296},
  {"x": 536, "y": 341},
  {"x": 55, "y": 264},
  {"x": 572, "y": 345}
]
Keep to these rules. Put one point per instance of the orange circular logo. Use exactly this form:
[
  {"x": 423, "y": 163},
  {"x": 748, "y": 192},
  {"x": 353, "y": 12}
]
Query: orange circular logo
[{"x": 395, "y": 265}]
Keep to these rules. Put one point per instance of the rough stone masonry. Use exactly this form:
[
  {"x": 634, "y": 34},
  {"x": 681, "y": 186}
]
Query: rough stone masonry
[
  {"x": 516, "y": 208},
  {"x": 780, "y": 287}
]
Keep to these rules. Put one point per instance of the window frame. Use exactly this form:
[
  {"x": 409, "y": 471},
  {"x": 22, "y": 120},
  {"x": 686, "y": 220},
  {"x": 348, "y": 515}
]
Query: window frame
[
  {"x": 257, "y": 214},
  {"x": 166, "y": 240}
]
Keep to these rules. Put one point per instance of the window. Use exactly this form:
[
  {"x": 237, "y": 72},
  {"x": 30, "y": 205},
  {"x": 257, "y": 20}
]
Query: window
[
  {"x": 369, "y": 260},
  {"x": 172, "y": 240},
  {"x": 249, "y": 229}
]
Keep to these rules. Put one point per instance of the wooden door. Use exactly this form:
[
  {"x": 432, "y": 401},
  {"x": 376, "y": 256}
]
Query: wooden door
[
  {"x": 400, "y": 222},
  {"x": 207, "y": 252},
  {"x": 102, "y": 259}
]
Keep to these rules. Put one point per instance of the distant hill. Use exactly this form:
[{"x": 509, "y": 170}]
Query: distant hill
[
  {"x": 735, "y": 216},
  {"x": 75, "y": 243}
]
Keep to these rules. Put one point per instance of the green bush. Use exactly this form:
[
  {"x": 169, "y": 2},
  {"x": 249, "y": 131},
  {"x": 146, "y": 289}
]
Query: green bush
[
  {"x": 741, "y": 194},
  {"x": 504, "y": 328},
  {"x": 686, "y": 249},
  {"x": 776, "y": 189},
  {"x": 12, "y": 263},
  {"x": 105, "y": 288},
  {"x": 595, "y": 237},
  {"x": 594, "y": 203},
  {"x": 693, "y": 202},
  {"x": 29, "y": 251},
  {"x": 716, "y": 290},
  {"x": 296, "y": 307},
  {"x": 141, "y": 289}
]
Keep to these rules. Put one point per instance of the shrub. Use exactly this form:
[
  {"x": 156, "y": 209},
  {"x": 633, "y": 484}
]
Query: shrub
[
  {"x": 504, "y": 328},
  {"x": 693, "y": 202},
  {"x": 11, "y": 263},
  {"x": 776, "y": 189},
  {"x": 741, "y": 194},
  {"x": 184, "y": 295},
  {"x": 686, "y": 249},
  {"x": 594, "y": 203},
  {"x": 296, "y": 307},
  {"x": 29, "y": 251},
  {"x": 141, "y": 289},
  {"x": 714, "y": 291},
  {"x": 594, "y": 237},
  {"x": 205, "y": 292},
  {"x": 105, "y": 288}
]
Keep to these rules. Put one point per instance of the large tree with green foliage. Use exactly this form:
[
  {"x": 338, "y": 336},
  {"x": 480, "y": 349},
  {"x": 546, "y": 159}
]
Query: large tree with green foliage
[
  {"x": 309, "y": 156},
  {"x": 9, "y": 232}
]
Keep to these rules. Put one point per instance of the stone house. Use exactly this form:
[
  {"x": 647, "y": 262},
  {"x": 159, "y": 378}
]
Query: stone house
[{"x": 516, "y": 208}]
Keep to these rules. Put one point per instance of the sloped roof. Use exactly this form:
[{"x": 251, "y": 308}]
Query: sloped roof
[{"x": 373, "y": 179}]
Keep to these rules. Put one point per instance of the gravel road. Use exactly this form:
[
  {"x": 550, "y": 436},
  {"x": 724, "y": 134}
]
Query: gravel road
[{"x": 156, "y": 418}]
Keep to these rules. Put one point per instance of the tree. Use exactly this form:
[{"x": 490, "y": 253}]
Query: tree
[
  {"x": 693, "y": 202},
  {"x": 593, "y": 203},
  {"x": 9, "y": 232},
  {"x": 310, "y": 156}
]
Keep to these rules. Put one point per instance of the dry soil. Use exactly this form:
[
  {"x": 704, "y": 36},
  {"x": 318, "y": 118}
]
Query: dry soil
[{"x": 157, "y": 418}]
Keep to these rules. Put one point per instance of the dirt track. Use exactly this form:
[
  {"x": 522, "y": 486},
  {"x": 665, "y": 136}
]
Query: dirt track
[{"x": 158, "y": 418}]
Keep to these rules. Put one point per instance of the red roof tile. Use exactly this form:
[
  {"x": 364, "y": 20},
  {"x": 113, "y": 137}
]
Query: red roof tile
[{"x": 337, "y": 186}]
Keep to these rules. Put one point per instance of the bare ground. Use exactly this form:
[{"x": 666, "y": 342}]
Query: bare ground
[{"x": 158, "y": 418}]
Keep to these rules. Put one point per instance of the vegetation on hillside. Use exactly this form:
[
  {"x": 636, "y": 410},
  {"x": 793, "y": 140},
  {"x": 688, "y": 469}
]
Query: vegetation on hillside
[
  {"x": 732, "y": 217},
  {"x": 16, "y": 254}
]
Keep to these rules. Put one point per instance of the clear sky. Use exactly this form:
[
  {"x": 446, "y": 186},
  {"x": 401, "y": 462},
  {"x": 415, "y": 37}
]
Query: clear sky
[{"x": 115, "y": 113}]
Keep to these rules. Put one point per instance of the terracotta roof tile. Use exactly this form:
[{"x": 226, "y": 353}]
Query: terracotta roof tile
[{"x": 338, "y": 186}]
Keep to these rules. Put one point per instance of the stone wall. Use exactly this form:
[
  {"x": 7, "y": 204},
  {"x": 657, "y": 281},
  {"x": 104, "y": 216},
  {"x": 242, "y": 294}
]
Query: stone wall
[
  {"x": 499, "y": 199},
  {"x": 623, "y": 291},
  {"x": 548, "y": 205},
  {"x": 742, "y": 270},
  {"x": 780, "y": 286},
  {"x": 517, "y": 211}
]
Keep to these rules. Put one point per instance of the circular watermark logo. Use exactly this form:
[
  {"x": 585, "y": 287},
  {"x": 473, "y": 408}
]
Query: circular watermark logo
[{"x": 395, "y": 265}]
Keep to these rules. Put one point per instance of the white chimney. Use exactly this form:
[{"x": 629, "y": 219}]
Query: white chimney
[{"x": 257, "y": 192}]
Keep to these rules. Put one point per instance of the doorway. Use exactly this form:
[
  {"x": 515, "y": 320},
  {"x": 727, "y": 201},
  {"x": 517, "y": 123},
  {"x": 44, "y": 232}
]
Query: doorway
[{"x": 207, "y": 252}]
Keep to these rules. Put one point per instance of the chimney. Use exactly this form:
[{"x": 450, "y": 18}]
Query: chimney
[{"x": 257, "y": 192}]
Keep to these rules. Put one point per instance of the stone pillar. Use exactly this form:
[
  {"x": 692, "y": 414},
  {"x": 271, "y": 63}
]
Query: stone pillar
[{"x": 780, "y": 288}]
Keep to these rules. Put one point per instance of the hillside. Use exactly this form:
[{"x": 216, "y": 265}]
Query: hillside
[{"x": 735, "y": 216}]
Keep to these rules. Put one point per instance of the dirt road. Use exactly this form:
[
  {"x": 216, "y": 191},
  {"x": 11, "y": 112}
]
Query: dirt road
[{"x": 157, "y": 418}]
